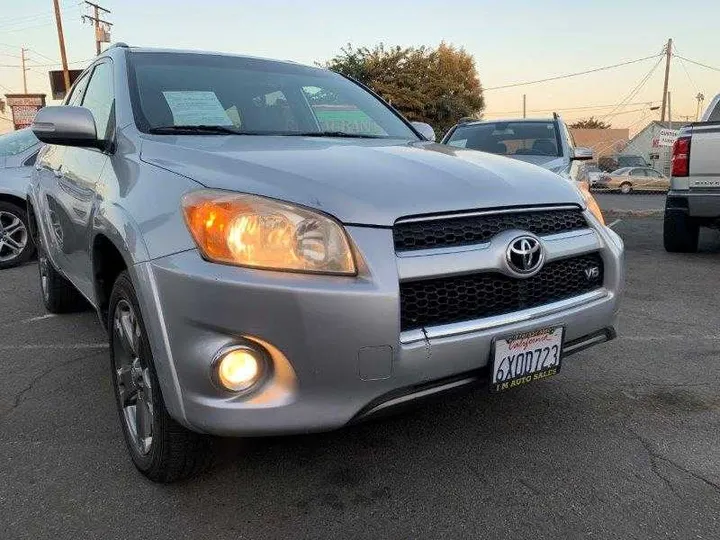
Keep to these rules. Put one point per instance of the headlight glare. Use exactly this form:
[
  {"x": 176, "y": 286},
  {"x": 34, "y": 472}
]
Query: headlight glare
[
  {"x": 248, "y": 230},
  {"x": 591, "y": 202}
]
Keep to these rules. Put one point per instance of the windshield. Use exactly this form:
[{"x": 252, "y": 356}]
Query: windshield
[
  {"x": 509, "y": 138},
  {"x": 252, "y": 96},
  {"x": 17, "y": 142}
]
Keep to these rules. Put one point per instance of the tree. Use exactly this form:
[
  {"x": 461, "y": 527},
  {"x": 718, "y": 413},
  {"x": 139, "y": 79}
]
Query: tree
[
  {"x": 437, "y": 86},
  {"x": 590, "y": 123}
]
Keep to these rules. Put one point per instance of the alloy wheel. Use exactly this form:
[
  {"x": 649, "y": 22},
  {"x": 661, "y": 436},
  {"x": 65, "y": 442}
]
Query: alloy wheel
[
  {"x": 134, "y": 385},
  {"x": 13, "y": 236}
]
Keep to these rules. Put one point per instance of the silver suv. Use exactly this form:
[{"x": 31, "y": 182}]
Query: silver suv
[
  {"x": 546, "y": 142},
  {"x": 273, "y": 249}
]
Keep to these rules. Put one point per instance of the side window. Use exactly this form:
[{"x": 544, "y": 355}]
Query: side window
[
  {"x": 99, "y": 98},
  {"x": 78, "y": 91},
  {"x": 568, "y": 136},
  {"x": 637, "y": 172},
  {"x": 715, "y": 115},
  {"x": 31, "y": 160}
]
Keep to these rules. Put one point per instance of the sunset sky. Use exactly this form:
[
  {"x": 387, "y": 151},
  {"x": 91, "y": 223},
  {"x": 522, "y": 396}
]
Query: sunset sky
[{"x": 511, "y": 42}]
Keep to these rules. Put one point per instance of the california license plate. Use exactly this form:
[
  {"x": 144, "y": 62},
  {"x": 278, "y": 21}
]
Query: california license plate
[{"x": 524, "y": 358}]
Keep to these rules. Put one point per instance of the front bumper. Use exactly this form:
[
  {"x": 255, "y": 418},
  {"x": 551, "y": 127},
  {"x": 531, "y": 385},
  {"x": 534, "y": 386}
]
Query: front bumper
[{"x": 336, "y": 341}]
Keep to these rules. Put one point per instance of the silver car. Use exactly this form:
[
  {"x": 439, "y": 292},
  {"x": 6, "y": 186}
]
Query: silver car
[
  {"x": 18, "y": 151},
  {"x": 546, "y": 142},
  {"x": 273, "y": 249}
]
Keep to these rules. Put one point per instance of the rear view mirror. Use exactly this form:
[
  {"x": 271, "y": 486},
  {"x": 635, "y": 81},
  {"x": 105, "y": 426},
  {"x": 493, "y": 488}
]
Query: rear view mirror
[
  {"x": 66, "y": 126},
  {"x": 582, "y": 153},
  {"x": 425, "y": 130}
]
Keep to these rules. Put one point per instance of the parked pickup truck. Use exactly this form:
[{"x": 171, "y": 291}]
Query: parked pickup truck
[{"x": 694, "y": 197}]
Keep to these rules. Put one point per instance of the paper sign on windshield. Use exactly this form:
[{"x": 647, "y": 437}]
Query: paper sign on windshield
[{"x": 196, "y": 108}]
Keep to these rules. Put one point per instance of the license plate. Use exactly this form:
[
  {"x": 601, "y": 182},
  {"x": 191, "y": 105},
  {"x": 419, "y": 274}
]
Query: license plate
[{"x": 524, "y": 358}]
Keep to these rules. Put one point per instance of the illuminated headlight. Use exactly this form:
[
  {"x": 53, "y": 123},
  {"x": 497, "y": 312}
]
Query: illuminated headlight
[
  {"x": 240, "y": 368},
  {"x": 253, "y": 231}
]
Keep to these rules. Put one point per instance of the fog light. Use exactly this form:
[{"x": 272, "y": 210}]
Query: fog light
[{"x": 239, "y": 368}]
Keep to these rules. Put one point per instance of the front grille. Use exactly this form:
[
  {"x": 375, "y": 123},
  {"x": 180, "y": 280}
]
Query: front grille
[
  {"x": 438, "y": 301},
  {"x": 468, "y": 230}
]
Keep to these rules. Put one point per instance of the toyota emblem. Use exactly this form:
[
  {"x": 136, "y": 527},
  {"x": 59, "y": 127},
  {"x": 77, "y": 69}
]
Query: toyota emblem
[{"x": 525, "y": 255}]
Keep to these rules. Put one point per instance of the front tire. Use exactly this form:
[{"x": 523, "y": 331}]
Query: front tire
[
  {"x": 680, "y": 233},
  {"x": 161, "y": 449},
  {"x": 626, "y": 188},
  {"x": 16, "y": 245}
]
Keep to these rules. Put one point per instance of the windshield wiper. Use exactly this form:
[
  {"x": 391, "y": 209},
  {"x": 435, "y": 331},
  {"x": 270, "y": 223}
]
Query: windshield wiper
[
  {"x": 193, "y": 130},
  {"x": 335, "y": 134}
]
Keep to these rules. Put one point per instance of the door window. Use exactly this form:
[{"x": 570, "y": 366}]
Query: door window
[
  {"x": 637, "y": 172},
  {"x": 78, "y": 91},
  {"x": 100, "y": 98}
]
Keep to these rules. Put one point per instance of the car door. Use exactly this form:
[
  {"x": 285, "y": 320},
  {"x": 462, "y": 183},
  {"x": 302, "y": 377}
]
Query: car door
[
  {"x": 48, "y": 171},
  {"x": 639, "y": 179},
  {"x": 81, "y": 171}
]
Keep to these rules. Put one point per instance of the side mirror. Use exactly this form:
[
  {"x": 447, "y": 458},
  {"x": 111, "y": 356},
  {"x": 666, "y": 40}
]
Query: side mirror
[
  {"x": 425, "y": 130},
  {"x": 66, "y": 126},
  {"x": 582, "y": 154}
]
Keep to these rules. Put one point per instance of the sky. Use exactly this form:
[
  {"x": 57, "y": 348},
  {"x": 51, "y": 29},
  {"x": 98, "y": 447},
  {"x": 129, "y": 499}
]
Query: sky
[{"x": 511, "y": 41}]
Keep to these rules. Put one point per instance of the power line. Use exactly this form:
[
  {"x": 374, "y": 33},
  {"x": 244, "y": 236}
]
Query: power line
[
  {"x": 30, "y": 19},
  {"x": 634, "y": 91},
  {"x": 59, "y": 63},
  {"x": 583, "y": 108},
  {"x": 41, "y": 54},
  {"x": 697, "y": 63},
  {"x": 595, "y": 70},
  {"x": 692, "y": 82}
]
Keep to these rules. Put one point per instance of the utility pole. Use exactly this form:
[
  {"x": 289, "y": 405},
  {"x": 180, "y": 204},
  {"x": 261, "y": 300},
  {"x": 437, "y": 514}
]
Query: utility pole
[
  {"x": 524, "y": 105},
  {"x": 668, "y": 56},
  {"x": 700, "y": 98},
  {"x": 24, "y": 70},
  {"x": 97, "y": 20},
  {"x": 61, "y": 39},
  {"x": 669, "y": 106}
]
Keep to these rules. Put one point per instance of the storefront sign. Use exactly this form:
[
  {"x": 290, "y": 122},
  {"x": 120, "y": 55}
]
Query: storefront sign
[{"x": 24, "y": 107}]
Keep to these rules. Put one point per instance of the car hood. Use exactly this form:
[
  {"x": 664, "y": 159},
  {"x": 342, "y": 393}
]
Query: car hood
[
  {"x": 551, "y": 163},
  {"x": 359, "y": 181}
]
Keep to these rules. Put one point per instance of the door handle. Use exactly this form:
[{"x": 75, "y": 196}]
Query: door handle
[{"x": 58, "y": 172}]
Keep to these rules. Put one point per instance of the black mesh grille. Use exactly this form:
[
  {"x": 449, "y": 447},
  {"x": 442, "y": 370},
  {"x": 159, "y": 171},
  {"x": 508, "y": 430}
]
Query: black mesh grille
[
  {"x": 463, "y": 231},
  {"x": 462, "y": 298}
]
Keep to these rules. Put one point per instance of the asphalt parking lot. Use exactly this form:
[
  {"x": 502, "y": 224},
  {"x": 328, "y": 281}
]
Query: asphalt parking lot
[{"x": 623, "y": 443}]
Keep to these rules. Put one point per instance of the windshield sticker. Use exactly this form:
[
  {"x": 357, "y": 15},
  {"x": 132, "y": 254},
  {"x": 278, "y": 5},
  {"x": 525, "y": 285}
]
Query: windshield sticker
[{"x": 196, "y": 108}]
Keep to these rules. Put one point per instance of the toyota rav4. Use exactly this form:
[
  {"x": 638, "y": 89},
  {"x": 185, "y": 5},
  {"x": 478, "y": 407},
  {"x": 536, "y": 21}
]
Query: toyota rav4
[{"x": 273, "y": 249}]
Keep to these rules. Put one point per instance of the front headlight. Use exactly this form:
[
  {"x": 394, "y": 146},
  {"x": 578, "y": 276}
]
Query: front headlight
[
  {"x": 590, "y": 201},
  {"x": 248, "y": 230}
]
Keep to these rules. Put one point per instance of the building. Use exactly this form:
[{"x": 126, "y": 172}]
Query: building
[
  {"x": 604, "y": 142},
  {"x": 645, "y": 144}
]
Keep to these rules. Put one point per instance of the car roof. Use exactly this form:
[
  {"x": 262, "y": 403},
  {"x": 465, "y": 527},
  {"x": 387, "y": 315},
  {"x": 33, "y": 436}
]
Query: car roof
[{"x": 141, "y": 50}]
